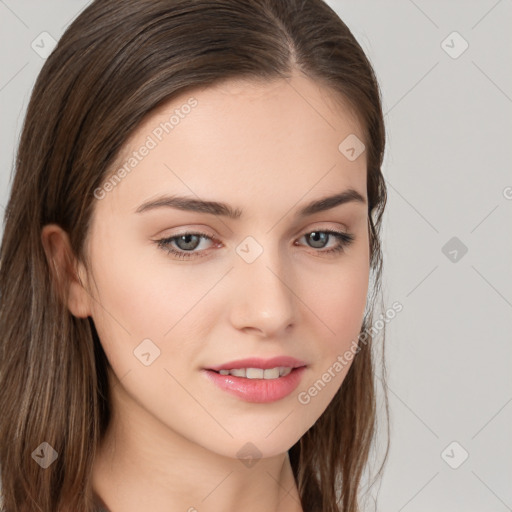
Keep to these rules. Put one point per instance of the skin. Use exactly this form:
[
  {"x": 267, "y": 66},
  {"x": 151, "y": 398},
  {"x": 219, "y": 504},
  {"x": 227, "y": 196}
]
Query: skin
[{"x": 268, "y": 149}]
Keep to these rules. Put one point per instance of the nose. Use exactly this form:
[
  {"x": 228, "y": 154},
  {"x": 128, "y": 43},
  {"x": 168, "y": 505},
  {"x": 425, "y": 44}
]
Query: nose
[{"x": 264, "y": 302}]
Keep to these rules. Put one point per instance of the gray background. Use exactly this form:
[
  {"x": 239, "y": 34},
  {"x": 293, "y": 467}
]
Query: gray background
[{"x": 448, "y": 172}]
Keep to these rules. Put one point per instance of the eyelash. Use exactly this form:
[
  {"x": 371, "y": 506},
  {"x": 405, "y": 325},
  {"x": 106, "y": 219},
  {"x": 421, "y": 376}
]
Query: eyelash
[{"x": 344, "y": 240}]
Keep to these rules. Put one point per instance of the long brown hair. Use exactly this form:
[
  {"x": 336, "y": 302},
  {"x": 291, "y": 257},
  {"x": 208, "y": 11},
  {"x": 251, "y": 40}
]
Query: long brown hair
[{"x": 115, "y": 63}]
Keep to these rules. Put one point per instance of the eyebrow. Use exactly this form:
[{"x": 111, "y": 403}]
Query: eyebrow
[{"x": 222, "y": 209}]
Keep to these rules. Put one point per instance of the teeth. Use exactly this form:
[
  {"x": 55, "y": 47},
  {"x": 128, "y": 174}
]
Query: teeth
[
  {"x": 255, "y": 373},
  {"x": 258, "y": 373},
  {"x": 284, "y": 371},
  {"x": 271, "y": 373}
]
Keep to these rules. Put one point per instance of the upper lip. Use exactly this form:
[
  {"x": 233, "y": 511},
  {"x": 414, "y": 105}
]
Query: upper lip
[{"x": 256, "y": 362}]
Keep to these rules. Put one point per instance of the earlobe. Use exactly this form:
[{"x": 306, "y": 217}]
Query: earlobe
[
  {"x": 78, "y": 298},
  {"x": 65, "y": 270}
]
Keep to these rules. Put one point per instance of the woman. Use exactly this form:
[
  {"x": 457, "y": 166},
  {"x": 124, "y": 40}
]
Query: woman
[{"x": 189, "y": 244}]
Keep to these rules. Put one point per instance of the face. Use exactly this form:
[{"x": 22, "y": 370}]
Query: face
[{"x": 174, "y": 291}]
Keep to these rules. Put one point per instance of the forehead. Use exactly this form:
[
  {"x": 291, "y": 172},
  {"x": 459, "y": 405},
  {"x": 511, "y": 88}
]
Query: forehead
[{"x": 242, "y": 141}]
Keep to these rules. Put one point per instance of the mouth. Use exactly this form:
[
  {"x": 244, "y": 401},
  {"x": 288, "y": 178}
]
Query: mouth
[{"x": 257, "y": 385}]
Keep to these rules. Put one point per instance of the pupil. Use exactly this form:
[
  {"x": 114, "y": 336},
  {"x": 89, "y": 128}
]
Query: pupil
[
  {"x": 187, "y": 240},
  {"x": 315, "y": 235}
]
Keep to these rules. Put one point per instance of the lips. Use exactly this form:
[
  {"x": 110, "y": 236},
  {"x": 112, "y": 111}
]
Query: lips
[
  {"x": 257, "y": 390},
  {"x": 252, "y": 388}
]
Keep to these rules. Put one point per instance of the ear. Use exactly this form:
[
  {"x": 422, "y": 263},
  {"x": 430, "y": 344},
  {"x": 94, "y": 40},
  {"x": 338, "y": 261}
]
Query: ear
[{"x": 65, "y": 270}]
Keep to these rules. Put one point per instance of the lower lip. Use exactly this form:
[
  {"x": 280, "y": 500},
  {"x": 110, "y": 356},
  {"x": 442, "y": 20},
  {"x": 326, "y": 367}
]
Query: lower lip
[{"x": 257, "y": 390}]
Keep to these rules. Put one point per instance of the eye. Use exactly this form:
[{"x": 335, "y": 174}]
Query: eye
[
  {"x": 187, "y": 242},
  {"x": 319, "y": 238}
]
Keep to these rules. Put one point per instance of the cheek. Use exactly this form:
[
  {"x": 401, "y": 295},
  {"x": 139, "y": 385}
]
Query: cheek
[
  {"x": 343, "y": 304},
  {"x": 147, "y": 320},
  {"x": 337, "y": 301},
  {"x": 338, "y": 296},
  {"x": 141, "y": 298}
]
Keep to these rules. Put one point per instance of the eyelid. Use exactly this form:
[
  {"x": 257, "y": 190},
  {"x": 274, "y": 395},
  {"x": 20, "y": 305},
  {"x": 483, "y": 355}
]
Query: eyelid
[{"x": 199, "y": 229}]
